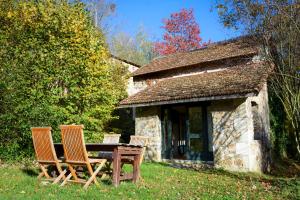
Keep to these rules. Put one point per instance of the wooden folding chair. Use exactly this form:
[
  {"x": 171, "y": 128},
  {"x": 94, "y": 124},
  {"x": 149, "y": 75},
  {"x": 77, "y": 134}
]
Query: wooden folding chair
[
  {"x": 45, "y": 153},
  {"x": 76, "y": 155},
  {"x": 111, "y": 138},
  {"x": 136, "y": 140},
  {"x": 108, "y": 139},
  {"x": 140, "y": 140}
]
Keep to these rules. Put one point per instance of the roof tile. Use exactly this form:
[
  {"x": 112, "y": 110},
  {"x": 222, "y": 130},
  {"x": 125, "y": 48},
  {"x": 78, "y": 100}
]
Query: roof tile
[
  {"x": 215, "y": 51},
  {"x": 238, "y": 80}
]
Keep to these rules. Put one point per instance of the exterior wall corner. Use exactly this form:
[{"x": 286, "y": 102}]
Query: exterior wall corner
[{"x": 147, "y": 123}]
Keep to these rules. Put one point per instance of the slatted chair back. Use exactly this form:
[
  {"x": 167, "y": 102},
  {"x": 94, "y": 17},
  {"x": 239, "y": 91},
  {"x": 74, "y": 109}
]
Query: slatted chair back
[
  {"x": 111, "y": 138},
  {"x": 45, "y": 153},
  {"x": 43, "y": 145},
  {"x": 140, "y": 140},
  {"x": 73, "y": 143},
  {"x": 76, "y": 155}
]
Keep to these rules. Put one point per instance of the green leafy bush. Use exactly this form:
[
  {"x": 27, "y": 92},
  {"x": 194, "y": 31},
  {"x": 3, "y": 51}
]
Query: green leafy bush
[{"x": 54, "y": 70}]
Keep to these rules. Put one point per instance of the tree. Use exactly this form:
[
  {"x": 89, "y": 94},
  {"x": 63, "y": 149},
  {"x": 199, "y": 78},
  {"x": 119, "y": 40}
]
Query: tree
[
  {"x": 138, "y": 49},
  {"x": 54, "y": 70},
  {"x": 100, "y": 10},
  {"x": 181, "y": 34},
  {"x": 276, "y": 25}
]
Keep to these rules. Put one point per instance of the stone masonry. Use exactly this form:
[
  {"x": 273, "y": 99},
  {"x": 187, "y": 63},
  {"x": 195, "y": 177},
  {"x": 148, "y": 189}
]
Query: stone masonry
[
  {"x": 231, "y": 130},
  {"x": 147, "y": 123}
]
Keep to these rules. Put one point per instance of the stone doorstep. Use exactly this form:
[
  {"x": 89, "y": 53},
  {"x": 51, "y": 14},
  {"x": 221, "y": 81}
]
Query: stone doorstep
[{"x": 192, "y": 164}]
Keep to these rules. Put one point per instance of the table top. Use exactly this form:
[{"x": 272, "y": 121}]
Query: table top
[
  {"x": 113, "y": 144},
  {"x": 100, "y": 146}
]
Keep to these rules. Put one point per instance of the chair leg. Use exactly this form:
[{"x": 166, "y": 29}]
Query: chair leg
[
  {"x": 66, "y": 180},
  {"x": 108, "y": 168},
  {"x": 44, "y": 172},
  {"x": 73, "y": 172},
  {"x": 122, "y": 164},
  {"x": 93, "y": 175},
  {"x": 61, "y": 175},
  {"x": 142, "y": 155},
  {"x": 41, "y": 175},
  {"x": 89, "y": 167},
  {"x": 60, "y": 170}
]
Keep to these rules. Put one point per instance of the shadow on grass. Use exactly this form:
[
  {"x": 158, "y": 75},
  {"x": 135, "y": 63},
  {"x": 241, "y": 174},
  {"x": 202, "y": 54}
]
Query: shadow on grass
[
  {"x": 30, "y": 172},
  {"x": 282, "y": 182},
  {"x": 33, "y": 173},
  {"x": 285, "y": 168},
  {"x": 164, "y": 164},
  {"x": 106, "y": 182}
]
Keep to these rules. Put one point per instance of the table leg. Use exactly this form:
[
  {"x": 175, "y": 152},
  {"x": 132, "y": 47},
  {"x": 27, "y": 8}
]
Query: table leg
[
  {"x": 116, "y": 167},
  {"x": 136, "y": 168}
]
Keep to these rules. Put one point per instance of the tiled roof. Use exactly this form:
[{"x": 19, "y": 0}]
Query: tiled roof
[
  {"x": 216, "y": 51},
  {"x": 242, "y": 80}
]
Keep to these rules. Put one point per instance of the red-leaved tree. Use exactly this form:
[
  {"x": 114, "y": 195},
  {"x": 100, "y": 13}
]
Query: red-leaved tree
[{"x": 182, "y": 33}]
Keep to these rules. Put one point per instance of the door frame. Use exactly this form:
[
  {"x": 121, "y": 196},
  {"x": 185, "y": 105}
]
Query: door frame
[{"x": 206, "y": 155}]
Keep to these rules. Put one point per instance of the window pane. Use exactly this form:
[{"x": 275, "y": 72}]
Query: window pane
[
  {"x": 195, "y": 118},
  {"x": 196, "y": 129},
  {"x": 196, "y": 145}
]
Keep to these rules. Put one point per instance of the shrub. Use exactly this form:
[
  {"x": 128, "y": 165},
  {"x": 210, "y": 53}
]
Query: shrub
[{"x": 54, "y": 71}]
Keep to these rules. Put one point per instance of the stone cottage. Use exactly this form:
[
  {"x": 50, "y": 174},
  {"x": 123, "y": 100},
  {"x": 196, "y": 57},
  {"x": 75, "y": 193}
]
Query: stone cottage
[{"x": 208, "y": 105}]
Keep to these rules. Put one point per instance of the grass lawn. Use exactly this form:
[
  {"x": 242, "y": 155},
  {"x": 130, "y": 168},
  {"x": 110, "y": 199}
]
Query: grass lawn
[{"x": 159, "y": 182}]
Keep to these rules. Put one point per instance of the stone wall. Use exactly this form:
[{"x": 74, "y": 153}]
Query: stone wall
[
  {"x": 138, "y": 86},
  {"x": 232, "y": 129},
  {"x": 147, "y": 123},
  {"x": 131, "y": 68},
  {"x": 130, "y": 86},
  {"x": 261, "y": 143}
]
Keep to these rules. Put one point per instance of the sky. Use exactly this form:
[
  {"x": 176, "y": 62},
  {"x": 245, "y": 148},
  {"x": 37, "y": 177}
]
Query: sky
[{"x": 132, "y": 14}]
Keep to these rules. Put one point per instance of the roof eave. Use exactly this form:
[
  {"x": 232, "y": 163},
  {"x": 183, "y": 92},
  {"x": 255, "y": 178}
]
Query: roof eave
[{"x": 190, "y": 100}]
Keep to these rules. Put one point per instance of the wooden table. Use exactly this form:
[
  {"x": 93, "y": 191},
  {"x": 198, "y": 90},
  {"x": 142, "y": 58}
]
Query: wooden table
[{"x": 120, "y": 151}]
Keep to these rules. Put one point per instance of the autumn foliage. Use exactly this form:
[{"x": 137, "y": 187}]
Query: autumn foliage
[{"x": 182, "y": 33}]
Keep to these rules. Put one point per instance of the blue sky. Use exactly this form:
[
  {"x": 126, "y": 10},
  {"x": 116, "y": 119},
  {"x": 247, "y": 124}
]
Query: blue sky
[{"x": 132, "y": 14}]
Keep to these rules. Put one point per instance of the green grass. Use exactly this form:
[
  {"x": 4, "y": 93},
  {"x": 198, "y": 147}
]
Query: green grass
[{"x": 159, "y": 182}]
